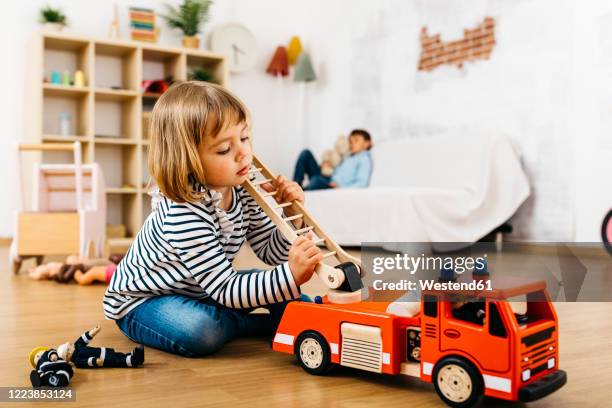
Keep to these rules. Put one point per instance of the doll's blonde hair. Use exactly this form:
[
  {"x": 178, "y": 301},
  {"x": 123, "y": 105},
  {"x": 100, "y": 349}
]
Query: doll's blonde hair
[{"x": 181, "y": 118}]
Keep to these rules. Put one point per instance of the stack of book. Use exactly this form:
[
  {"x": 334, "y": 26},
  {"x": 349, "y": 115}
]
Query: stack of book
[{"x": 142, "y": 22}]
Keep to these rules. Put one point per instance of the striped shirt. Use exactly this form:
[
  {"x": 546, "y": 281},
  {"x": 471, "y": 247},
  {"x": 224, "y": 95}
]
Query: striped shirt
[{"x": 187, "y": 249}]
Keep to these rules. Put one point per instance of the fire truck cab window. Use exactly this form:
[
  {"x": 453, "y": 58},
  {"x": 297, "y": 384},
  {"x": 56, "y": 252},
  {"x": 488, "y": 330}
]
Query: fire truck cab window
[
  {"x": 496, "y": 324},
  {"x": 472, "y": 311},
  {"x": 431, "y": 306}
]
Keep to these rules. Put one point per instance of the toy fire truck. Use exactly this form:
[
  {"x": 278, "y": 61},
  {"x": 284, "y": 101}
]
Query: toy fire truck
[
  {"x": 466, "y": 348},
  {"x": 468, "y": 343}
]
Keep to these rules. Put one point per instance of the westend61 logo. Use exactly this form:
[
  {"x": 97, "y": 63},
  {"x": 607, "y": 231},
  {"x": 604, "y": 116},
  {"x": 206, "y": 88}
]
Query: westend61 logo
[{"x": 413, "y": 264}]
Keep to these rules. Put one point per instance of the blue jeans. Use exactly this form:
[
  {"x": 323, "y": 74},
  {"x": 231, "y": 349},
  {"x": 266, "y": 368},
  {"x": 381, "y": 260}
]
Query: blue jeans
[
  {"x": 307, "y": 165},
  {"x": 195, "y": 327}
]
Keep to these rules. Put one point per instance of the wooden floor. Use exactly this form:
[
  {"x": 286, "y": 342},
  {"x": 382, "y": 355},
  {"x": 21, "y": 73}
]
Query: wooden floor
[{"x": 247, "y": 372}]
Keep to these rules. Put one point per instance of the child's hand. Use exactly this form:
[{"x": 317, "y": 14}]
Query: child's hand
[
  {"x": 304, "y": 256},
  {"x": 287, "y": 191}
]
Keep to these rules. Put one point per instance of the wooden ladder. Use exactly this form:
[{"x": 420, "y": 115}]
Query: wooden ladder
[{"x": 333, "y": 277}]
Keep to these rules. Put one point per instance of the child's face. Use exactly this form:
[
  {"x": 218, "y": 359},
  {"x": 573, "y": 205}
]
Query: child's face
[
  {"x": 357, "y": 143},
  {"x": 226, "y": 158}
]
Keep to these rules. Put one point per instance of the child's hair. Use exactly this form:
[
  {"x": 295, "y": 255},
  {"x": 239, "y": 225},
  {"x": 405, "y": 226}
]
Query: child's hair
[
  {"x": 363, "y": 133},
  {"x": 185, "y": 114}
]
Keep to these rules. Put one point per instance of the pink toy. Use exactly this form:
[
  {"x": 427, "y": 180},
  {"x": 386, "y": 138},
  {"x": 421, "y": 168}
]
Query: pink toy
[
  {"x": 606, "y": 231},
  {"x": 69, "y": 208}
]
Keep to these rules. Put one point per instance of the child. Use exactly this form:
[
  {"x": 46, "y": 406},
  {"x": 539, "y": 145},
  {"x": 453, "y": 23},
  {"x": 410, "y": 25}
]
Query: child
[
  {"x": 176, "y": 289},
  {"x": 354, "y": 171}
]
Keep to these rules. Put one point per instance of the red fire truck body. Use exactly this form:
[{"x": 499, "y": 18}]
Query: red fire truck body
[{"x": 506, "y": 355}]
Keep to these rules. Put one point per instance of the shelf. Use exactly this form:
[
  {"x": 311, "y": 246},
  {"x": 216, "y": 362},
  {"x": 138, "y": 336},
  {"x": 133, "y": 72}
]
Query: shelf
[
  {"x": 108, "y": 94},
  {"x": 60, "y": 138},
  {"x": 68, "y": 91},
  {"x": 117, "y": 115},
  {"x": 151, "y": 95},
  {"x": 110, "y": 114},
  {"x": 122, "y": 190},
  {"x": 60, "y": 42},
  {"x": 115, "y": 140},
  {"x": 116, "y": 66}
]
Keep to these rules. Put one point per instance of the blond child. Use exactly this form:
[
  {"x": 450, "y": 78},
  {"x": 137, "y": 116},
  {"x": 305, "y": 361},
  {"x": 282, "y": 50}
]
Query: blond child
[{"x": 176, "y": 289}]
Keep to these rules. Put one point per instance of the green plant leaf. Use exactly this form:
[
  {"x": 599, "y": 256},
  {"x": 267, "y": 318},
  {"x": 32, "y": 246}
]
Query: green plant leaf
[
  {"x": 52, "y": 15},
  {"x": 188, "y": 16}
]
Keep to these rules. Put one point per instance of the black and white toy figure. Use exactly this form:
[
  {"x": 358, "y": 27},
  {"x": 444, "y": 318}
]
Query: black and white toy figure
[
  {"x": 83, "y": 356},
  {"x": 50, "y": 369}
]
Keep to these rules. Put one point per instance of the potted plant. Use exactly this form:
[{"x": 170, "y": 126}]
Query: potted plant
[
  {"x": 201, "y": 74},
  {"x": 52, "y": 19},
  {"x": 188, "y": 17}
]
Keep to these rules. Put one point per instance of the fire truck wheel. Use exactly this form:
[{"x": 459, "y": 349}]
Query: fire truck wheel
[
  {"x": 312, "y": 351},
  {"x": 458, "y": 383}
]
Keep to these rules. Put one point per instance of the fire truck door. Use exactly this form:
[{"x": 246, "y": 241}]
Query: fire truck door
[{"x": 469, "y": 333}]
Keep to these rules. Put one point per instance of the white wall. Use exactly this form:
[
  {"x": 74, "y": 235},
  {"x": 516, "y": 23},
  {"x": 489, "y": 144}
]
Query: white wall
[{"x": 543, "y": 86}]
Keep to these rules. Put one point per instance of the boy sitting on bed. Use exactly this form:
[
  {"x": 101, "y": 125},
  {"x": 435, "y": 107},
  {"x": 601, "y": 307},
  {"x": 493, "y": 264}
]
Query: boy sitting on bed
[{"x": 354, "y": 171}]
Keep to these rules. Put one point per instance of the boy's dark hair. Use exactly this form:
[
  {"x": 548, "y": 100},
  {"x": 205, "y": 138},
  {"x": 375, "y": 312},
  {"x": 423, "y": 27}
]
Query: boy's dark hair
[{"x": 363, "y": 133}]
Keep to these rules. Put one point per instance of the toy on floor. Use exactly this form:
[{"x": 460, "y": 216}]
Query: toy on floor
[
  {"x": 83, "y": 356},
  {"x": 68, "y": 207},
  {"x": 45, "y": 271},
  {"x": 81, "y": 269},
  {"x": 477, "y": 346},
  {"x": 86, "y": 275},
  {"x": 50, "y": 369}
]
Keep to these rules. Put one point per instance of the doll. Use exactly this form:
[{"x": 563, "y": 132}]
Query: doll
[
  {"x": 83, "y": 356},
  {"x": 75, "y": 263},
  {"x": 45, "y": 271},
  {"x": 85, "y": 271},
  {"x": 50, "y": 369},
  {"x": 86, "y": 275}
]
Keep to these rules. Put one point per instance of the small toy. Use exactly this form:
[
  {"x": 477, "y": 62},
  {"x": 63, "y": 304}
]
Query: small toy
[
  {"x": 157, "y": 86},
  {"x": 142, "y": 24},
  {"x": 56, "y": 78},
  {"x": 79, "y": 78},
  {"x": 50, "y": 369},
  {"x": 65, "y": 123},
  {"x": 66, "y": 78},
  {"x": 83, "y": 356},
  {"x": 333, "y": 157},
  {"x": 113, "y": 29}
]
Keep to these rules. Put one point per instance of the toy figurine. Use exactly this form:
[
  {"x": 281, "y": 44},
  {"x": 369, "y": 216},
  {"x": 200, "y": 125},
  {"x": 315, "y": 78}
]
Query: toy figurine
[
  {"x": 50, "y": 369},
  {"x": 83, "y": 356}
]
